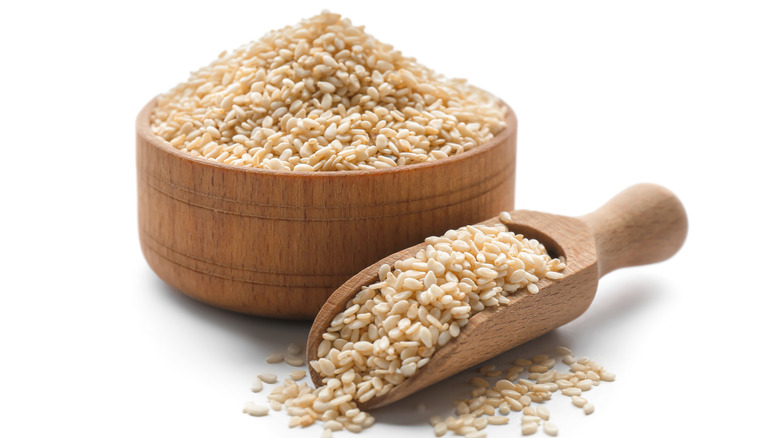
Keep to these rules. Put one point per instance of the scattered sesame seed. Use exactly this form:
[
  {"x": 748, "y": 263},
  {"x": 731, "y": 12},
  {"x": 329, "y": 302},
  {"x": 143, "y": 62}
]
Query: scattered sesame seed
[
  {"x": 267, "y": 377},
  {"x": 275, "y": 358},
  {"x": 529, "y": 428},
  {"x": 255, "y": 410},
  {"x": 297, "y": 374},
  {"x": 578, "y": 401},
  {"x": 257, "y": 385}
]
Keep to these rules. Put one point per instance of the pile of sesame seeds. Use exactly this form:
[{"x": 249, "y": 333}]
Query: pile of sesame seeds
[
  {"x": 391, "y": 328},
  {"x": 524, "y": 386},
  {"x": 303, "y": 403},
  {"x": 323, "y": 95}
]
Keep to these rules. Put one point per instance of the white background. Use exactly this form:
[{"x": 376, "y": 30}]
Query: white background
[{"x": 680, "y": 93}]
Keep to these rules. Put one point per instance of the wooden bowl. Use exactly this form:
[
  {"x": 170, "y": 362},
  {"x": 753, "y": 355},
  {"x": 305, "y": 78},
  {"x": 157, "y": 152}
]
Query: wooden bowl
[{"x": 278, "y": 243}]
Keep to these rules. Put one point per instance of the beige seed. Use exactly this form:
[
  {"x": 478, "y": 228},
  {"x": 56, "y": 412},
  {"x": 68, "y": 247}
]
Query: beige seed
[
  {"x": 465, "y": 430},
  {"x": 323, "y": 348},
  {"x": 294, "y": 349},
  {"x": 297, "y": 374},
  {"x": 550, "y": 429},
  {"x": 543, "y": 413},
  {"x": 585, "y": 385},
  {"x": 515, "y": 405},
  {"x": 593, "y": 376},
  {"x": 275, "y": 358},
  {"x": 294, "y": 361},
  {"x": 579, "y": 367},
  {"x": 267, "y": 377},
  {"x": 564, "y": 384},
  {"x": 363, "y": 347},
  {"x": 529, "y": 428},
  {"x": 478, "y": 381},
  {"x": 354, "y": 428},
  {"x": 530, "y": 419},
  {"x": 425, "y": 337},
  {"x": 327, "y": 367},
  {"x": 511, "y": 394},
  {"x": 578, "y": 401},
  {"x": 255, "y": 410},
  {"x": 326, "y": 87},
  {"x": 333, "y": 425},
  {"x": 495, "y": 419},
  {"x": 257, "y": 385},
  {"x": 607, "y": 376},
  {"x": 588, "y": 408}
]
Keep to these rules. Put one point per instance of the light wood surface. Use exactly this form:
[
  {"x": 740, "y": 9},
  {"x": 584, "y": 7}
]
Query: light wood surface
[
  {"x": 277, "y": 243},
  {"x": 644, "y": 224}
]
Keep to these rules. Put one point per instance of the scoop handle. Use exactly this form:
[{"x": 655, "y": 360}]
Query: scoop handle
[{"x": 643, "y": 224}]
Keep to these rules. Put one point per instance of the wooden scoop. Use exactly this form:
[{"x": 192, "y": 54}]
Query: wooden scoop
[{"x": 644, "y": 224}]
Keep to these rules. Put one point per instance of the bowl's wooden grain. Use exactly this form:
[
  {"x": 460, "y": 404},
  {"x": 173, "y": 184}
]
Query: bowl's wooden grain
[{"x": 277, "y": 243}]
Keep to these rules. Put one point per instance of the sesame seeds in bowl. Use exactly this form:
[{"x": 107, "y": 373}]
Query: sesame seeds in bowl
[
  {"x": 264, "y": 177},
  {"x": 323, "y": 95}
]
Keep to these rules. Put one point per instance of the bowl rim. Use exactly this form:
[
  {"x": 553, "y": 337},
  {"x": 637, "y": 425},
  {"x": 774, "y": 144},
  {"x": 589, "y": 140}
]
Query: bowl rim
[{"x": 143, "y": 129}]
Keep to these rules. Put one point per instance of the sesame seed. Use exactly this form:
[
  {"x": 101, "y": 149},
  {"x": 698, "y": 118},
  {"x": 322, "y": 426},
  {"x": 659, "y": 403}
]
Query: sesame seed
[
  {"x": 585, "y": 384},
  {"x": 588, "y": 408},
  {"x": 275, "y": 358},
  {"x": 267, "y": 377},
  {"x": 257, "y": 385},
  {"x": 494, "y": 419},
  {"x": 529, "y": 428},
  {"x": 571, "y": 392},
  {"x": 297, "y": 374},
  {"x": 255, "y": 410}
]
